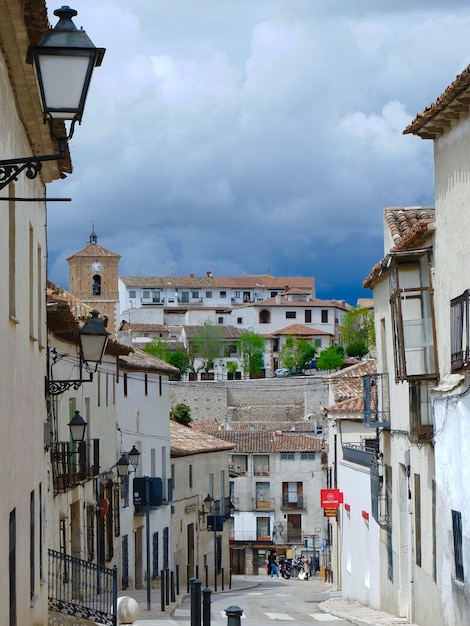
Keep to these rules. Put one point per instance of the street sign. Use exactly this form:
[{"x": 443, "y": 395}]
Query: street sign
[
  {"x": 155, "y": 491},
  {"x": 330, "y": 498}
]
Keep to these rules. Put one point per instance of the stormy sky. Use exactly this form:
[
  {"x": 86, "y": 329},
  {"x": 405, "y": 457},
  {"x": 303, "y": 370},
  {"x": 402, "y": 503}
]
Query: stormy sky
[{"x": 254, "y": 136}]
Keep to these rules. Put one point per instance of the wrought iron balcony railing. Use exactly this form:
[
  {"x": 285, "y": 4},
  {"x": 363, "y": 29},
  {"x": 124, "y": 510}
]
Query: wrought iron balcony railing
[
  {"x": 289, "y": 503},
  {"x": 376, "y": 401},
  {"x": 74, "y": 463}
]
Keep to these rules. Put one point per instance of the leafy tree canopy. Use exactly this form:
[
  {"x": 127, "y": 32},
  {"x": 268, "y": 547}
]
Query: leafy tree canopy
[
  {"x": 207, "y": 344},
  {"x": 331, "y": 359},
  {"x": 179, "y": 358},
  {"x": 251, "y": 348},
  {"x": 296, "y": 354},
  {"x": 357, "y": 349},
  {"x": 181, "y": 413},
  {"x": 358, "y": 326}
]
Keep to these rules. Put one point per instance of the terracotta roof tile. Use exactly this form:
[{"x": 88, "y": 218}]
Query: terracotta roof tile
[
  {"x": 265, "y": 281},
  {"x": 94, "y": 249},
  {"x": 299, "y": 330},
  {"x": 438, "y": 117},
  {"x": 410, "y": 229},
  {"x": 140, "y": 360},
  {"x": 270, "y": 442},
  {"x": 185, "y": 441},
  {"x": 347, "y": 383}
]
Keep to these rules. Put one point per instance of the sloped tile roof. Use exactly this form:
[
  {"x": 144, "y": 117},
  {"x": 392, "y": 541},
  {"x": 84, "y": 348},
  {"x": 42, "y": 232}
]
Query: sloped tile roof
[
  {"x": 270, "y": 442},
  {"x": 143, "y": 328},
  {"x": 299, "y": 330},
  {"x": 282, "y": 301},
  {"x": 185, "y": 441},
  {"x": 94, "y": 249},
  {"x": 265, "y": 281},
  {"x": 410, "y": 229},
  {"x": 438, "y": 117},
  {"x": 140, "y": 360},
  {"x": 347, "y": 384},
  {"x": 226, "y": 332}
]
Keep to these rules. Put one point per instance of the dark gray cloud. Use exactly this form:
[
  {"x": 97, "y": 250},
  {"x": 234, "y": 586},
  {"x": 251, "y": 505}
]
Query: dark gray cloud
[{"x": 254, "y": 136}]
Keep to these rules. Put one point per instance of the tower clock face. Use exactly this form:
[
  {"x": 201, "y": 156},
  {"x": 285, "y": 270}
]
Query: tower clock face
[{"x": 96, "y": 265}]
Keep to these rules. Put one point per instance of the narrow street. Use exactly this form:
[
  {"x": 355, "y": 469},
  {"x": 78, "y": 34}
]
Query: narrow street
[{"x": 272, "y": 600}]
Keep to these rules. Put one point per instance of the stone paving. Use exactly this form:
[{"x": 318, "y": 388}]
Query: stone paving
[{"x": 355, "y": 612}]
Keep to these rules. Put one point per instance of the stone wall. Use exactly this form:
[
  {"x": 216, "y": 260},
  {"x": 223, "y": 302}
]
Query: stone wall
[{"x": 270, "y": 401}]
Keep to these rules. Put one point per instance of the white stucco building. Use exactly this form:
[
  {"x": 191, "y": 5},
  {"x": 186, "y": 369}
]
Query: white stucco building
[
  {"x": 447, "y": 123},
  {"x": 23, "y": 338}
]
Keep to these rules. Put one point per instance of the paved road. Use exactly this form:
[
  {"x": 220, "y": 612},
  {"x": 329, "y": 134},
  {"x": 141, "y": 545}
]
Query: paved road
[{"x": 273, "y": 600}]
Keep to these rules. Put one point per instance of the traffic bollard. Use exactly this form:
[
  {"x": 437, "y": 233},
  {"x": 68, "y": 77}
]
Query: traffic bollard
[
  {"x": 206, "y": 607},
  {"x": 234, "y": 615}
]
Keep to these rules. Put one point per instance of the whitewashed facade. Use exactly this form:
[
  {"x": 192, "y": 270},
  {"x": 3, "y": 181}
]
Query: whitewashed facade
[{"x": 25, "y": 496}]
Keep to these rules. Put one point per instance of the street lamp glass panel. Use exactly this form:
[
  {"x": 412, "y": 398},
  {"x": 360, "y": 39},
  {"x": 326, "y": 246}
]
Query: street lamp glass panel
[
  {"x": 63, "y": 83},
  {"x": 122, "y": 466},
  {"x": 93, "y": 338},
  {"x": 134, "y": 456},
  {"x": 77, "y": 427}
]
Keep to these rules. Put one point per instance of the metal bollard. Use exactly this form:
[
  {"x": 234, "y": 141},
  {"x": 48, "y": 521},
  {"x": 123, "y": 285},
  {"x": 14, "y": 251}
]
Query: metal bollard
[
  {"x": 177, "y": 568},
  {"x": 234, "y": 614},
  {"x": 172, "y": 586},
  {"x": 162, "y": 590},
  {"x": 223, "y": 572},
  {"x": 207, "y": 575},
  {"x": 206, "y": 607},
  {"x": 196, "y": 603},
  {"x": 197, "y": 572},
  {"x": 230, "y": 579},
  {"x": 167, "y": 586}
]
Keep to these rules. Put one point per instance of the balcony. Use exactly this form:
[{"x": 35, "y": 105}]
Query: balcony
[
  {"x": 360, "y": 453},
  {"x": 376, "y": 401},
  {"x": 250, "y": 536},
  {"x": 74, "y": 464},
  {"x": 263, "y": 504},
  {"x": 298, "y": 503}
]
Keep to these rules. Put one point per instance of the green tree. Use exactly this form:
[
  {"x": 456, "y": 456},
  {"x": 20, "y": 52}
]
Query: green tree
[
  {"x": 207, "y": 344},
  {"x": 178, "y": 357},
  {"x": 358, "y": 325},
  {"x": 357, "y": 349},
  {"x": 181, "y": 413},
  {"x": 251, "y": 348},
  {"x": 331, "y": 359},
  {"x": 296, "y": 354}
]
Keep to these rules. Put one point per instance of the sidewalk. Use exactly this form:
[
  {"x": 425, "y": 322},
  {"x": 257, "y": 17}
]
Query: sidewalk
[{"x": 359, "y": 614}]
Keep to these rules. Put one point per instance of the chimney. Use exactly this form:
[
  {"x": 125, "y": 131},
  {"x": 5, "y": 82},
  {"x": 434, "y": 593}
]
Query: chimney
[{"x": 209, "y": 274}]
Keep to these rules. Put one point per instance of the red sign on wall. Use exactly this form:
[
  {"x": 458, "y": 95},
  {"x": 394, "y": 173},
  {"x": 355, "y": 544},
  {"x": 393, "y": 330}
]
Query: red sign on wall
[{"x": 331, "y": 498}]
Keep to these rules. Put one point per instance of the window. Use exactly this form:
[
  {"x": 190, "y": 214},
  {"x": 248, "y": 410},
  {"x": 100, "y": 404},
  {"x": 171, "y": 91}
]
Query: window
[
  {"x": 96, "y": 285},
  {"x": 287, "y": 456},
  {"x": 220, "y": 320},
  {"x": 155, "y": 551},
  {"x": 223, "y": 294},
  {"x": 307, "y": 456},
  {"x": 145, "y": 294},
  {"x": 246, "y": 296},
  {"x": 190, "y": 477},
  {"x": 166, "y": 547},
  {"x": 276, "y": 345},
  {"x": 185, "y": 296},
  {"x": 239, "y": 320},
  {"x": 421, "y": 423},
  {"x": 460, "y": 328},
  {"x": 240, "y": 463},
  {"x": 292, "y": 495},
  {"x": 261, "y": 464},
  {"x": 412, "y": 310},
  {"x": 209, "y": 295},
  {"x": 308, "y": 316},
  {"x": 194, "y": 294},
  {"x": 263, "y": 500},
  {"x": 324, "y": 316},
  {"x": 317, "y": 343},
  {"x": 132, "y": 294},
  {"x": 125, "y": 561},
  {"x": 264, "y": 317},
  {"x": 291, "y": 315},
  {"x": 458, "y": 552},
  {"x": 155, "y": 296},
  {"x": 263, "y": 528},
  {"x": 236, "y": 294},
  {"x": 274, "y": 294},
  {"x": 417, "y": 487}
]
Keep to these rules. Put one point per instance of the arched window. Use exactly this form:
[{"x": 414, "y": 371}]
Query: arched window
[
  {"x": 96, "y": 287},
  {"x": 264, "y": 317}
]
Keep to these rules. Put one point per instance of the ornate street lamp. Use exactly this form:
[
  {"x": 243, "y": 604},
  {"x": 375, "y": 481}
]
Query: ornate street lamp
[
  {"x": 77, "y": 427},
  {"x": 63, "y": 63}
]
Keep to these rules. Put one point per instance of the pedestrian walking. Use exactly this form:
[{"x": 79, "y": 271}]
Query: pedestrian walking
[{"x": 273, "y": 563}]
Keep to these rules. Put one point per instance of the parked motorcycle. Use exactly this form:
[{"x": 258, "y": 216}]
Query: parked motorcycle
[{"x": 288, "y": 568}]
